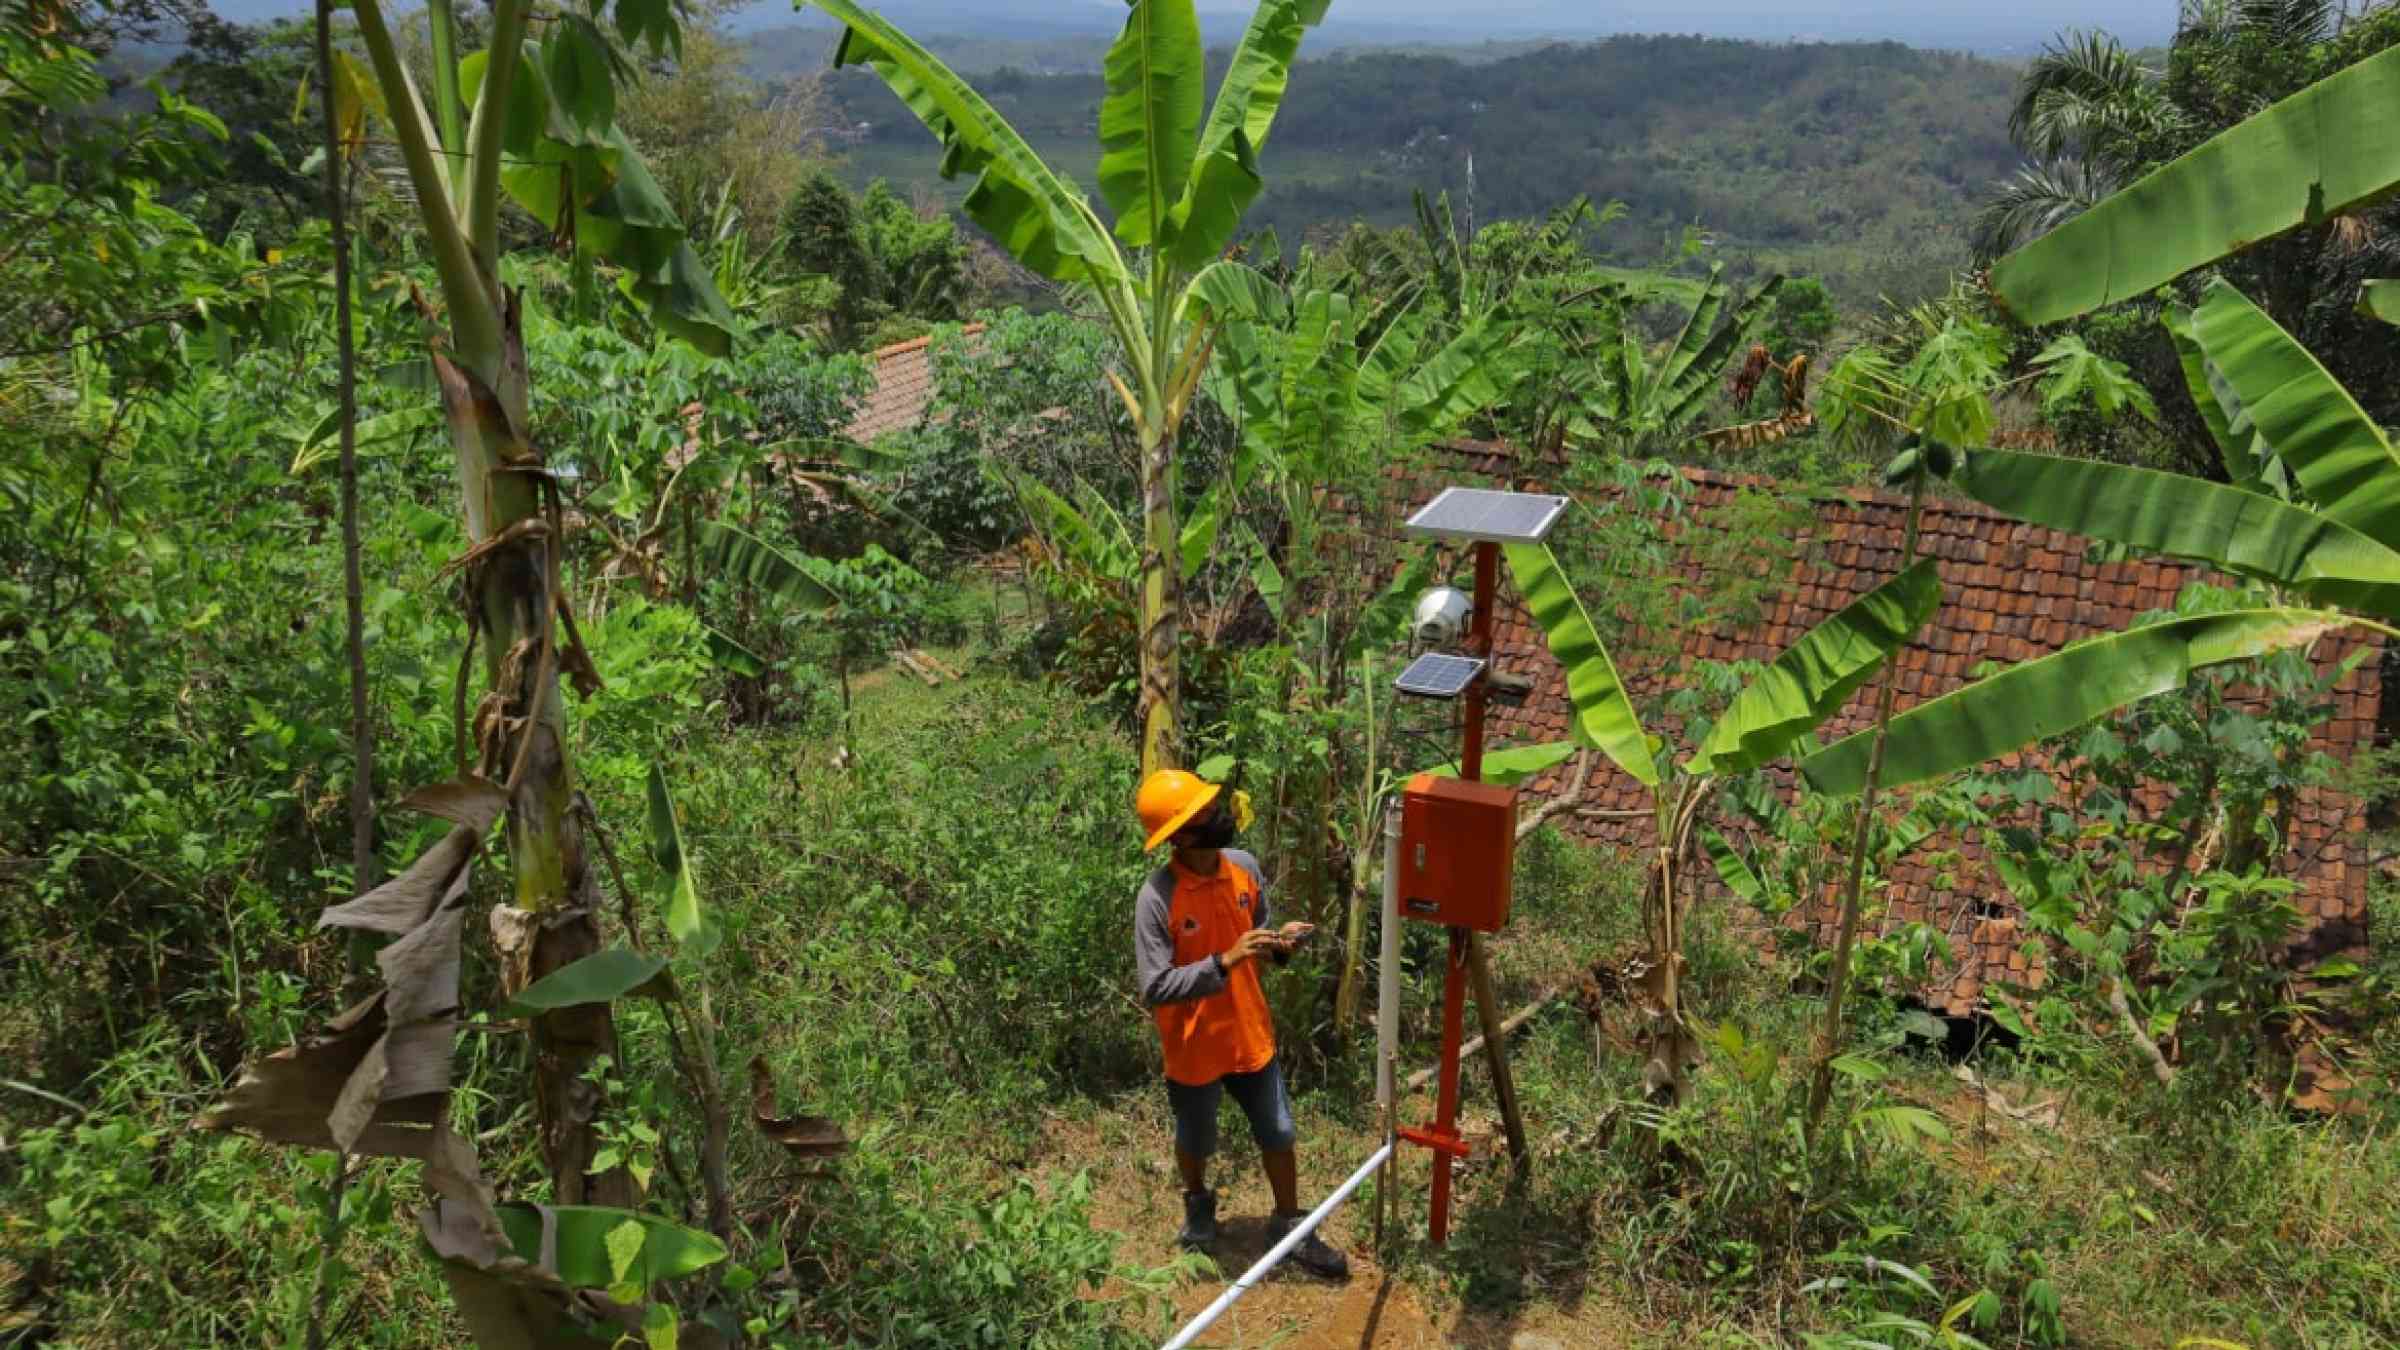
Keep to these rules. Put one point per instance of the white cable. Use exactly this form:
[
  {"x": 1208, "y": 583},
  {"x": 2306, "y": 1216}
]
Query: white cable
[{"x": 1276, "y": 1253}]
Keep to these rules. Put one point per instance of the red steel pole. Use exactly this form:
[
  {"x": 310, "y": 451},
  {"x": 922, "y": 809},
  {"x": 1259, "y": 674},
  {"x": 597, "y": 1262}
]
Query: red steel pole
[
  {"x": 1445, "y": 1116},
  {"x": 1479, "y": 644}
]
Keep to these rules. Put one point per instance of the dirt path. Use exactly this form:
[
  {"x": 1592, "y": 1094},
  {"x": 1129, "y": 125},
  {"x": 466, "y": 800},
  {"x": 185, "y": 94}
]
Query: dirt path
[{"x": 1133, "y": 1196}]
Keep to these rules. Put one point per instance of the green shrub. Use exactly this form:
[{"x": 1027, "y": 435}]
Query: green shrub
[{"x": 903, "y": 1259}]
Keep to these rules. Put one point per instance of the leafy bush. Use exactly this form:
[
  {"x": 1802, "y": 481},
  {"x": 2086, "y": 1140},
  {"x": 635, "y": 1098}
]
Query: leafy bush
[
  {"x": 942, "y": 483},
  {"x": 903, "y": 1259},
  {"x": 123, "y": 1227}
]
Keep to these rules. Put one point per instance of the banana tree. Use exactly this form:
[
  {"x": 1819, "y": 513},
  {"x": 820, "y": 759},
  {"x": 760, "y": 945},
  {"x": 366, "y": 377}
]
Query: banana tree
[
  {"x": 1177, "y": 185},
  {"x": 1604, "y": 388},
  {"x": 1806, "y": 683},
  {"x": 2323, "y": 151},
  {"x": 1813, "y": 679},
  {"x": 2314, "y": 500},
  {"x": 1324, "y": 397},
  {"x": 530, "y": 122}
]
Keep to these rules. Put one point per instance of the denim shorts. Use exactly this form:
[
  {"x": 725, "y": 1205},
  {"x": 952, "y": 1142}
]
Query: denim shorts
[{"x": 1262, "y": 1099}]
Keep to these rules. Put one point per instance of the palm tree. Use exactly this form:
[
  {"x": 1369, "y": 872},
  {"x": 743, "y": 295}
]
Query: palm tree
[
  {"x": 2088, "y": 118},
  {"x": 2094, "y": 121}
]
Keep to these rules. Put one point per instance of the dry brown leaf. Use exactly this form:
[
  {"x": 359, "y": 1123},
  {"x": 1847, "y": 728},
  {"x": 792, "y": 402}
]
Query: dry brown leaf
[
  {"x": 289, "y": 1097},
  {"x": 421, "y": 969},
  {"x": 472, "y": 802},
  {"x": 402, "y": 903},
  {"x": 805, "y": 1136}
]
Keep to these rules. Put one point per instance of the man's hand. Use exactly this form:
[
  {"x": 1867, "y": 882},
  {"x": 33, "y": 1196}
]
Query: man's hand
[
  {"x": 1250, "y": 944},
  {"x": 1295, "y": 933}
]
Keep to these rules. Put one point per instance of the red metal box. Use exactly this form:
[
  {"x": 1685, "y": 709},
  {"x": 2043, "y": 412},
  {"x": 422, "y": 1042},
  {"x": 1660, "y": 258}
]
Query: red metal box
[{"x": 1458, "y": 848}]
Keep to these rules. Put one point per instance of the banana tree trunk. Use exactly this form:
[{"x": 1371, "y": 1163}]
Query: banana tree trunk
[
  {"x": 1162, "y": 605},
  {"x": 1669, "y": 1048},
  {"x": 520, "y": 728},
  {"x": 1829, "y": 1033}
]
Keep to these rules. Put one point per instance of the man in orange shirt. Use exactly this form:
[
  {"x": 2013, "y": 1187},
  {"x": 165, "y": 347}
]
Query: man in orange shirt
[{"x": 1200, "y": 925}]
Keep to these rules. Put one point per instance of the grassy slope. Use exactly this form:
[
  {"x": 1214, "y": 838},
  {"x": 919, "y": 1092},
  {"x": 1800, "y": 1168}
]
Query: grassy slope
[
  {"x": 1860, "y": 163},
  {"x": 2162, "y": 1220},
  {"x": 929, "y": 946}
]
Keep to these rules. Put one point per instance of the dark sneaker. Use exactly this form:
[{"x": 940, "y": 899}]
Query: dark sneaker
[
  {"x": 1312, "y": 1255},
  {"x": 1199, "y": 1221}
]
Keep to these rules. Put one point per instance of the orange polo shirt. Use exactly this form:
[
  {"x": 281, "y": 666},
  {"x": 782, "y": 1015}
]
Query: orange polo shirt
[{"x": 1229, "y": 1031}]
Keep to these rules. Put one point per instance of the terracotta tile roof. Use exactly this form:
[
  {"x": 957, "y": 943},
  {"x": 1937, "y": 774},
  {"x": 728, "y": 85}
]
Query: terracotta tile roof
[
  {"x": 903, "y": 388},
  {"x": 2010, "y": 591}
]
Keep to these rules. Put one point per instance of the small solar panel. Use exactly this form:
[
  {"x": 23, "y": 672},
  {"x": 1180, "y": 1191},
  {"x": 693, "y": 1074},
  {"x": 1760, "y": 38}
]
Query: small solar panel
[
  {"x": 1486, "y": 516},
  {"x": 1434, "y": 675}
]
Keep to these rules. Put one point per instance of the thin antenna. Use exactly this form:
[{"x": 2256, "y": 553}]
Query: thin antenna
[{"x": 1470, "y": 192}]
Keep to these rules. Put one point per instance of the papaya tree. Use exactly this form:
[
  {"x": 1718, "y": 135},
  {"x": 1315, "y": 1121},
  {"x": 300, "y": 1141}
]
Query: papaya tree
[
  {"x": 530, "y": 122},
  {"x": 1177, "y": 184}
]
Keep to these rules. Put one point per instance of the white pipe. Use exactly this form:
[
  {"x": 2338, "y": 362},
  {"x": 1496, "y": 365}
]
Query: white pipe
[
  {"x": 1275, "y": 1254},
  {"x": 1387, "y": 994}
]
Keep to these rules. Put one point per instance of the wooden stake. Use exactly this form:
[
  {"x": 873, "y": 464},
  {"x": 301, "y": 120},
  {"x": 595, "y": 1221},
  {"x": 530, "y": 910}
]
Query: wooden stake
[
  {"x": 1495, "y": 1049},
  {"x": 1416, "y": 1081}
]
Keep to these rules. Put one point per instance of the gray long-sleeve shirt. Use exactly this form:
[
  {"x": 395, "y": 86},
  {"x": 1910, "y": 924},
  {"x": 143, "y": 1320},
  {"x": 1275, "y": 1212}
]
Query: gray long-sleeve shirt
[{"x": 1161, "y": 980}]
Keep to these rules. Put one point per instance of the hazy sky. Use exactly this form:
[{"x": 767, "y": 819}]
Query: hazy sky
[{"x": 2017, "y": 25}]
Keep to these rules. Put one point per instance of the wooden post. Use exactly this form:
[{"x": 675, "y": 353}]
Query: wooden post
[{"x": 1495, "y": 1049}]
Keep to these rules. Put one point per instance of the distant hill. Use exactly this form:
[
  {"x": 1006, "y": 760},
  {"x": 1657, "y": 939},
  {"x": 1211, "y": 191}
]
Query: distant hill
[{"x": 1860, "y": 163}]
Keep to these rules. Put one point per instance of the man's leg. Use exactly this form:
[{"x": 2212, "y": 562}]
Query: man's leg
[
  {"x": 1195, "y": 1139},
  {"x": 1283, "y": 1174},
  {"x": 1270, "y": 1111}
]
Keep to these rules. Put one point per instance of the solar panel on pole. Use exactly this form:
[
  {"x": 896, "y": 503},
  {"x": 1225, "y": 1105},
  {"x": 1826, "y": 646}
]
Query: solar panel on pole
[
  {"x": 1436, "y": 675},
  {"x": 1485, "y": 516}
]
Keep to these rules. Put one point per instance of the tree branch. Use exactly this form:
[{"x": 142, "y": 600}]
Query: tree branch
[
  {"x": 362, "y": 740},
  {"x": 2124, "y": 1010},
  {"x": 1561, "y": 802}
]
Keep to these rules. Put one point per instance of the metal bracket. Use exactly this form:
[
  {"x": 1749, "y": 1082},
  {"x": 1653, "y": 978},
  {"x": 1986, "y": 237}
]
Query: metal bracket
[{"x": 1438, "y": 1139}]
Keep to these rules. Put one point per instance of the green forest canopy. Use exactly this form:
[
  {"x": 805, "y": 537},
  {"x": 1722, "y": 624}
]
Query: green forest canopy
[{"x": 1857, "y": 162}]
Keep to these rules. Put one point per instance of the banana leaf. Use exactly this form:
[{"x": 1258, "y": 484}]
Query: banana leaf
[
  {"x": 1069, "y": 532},
  {"x": 748, "y": 558},
  {"x": 584, "y": 180},
  {"x": 2380, "y": 300},
  {"x": 1604, "y": 716},
  {"x": 1509, "y": 767},
  {"x": 729, "y": 655},
  {"x": 2341, "y": 459},
  {"x": 2058, "y": 693},
  {"x": 1020, "y": 201},
  {"x": 1150, "y": 117},
  {"x": 1688, "y": 375},
  {"x": 2247, "y": 533},
  {"x": 686, "y": 921},
  {"x": 2219, "y": 407},
  {"x": 1199, "y": 537},
  {"x": 577, "y": 1238},
  {"x": 1455, "y": 383},
  {"x": 602, "y": 977},
  {"x": 1819, "y": 672},
  {"x": 1733, "y": 869},
  {"x": 1226, "y": 291},
  {"x": 1224, "y": 177},
  {"x": 2324, "y": 150}
]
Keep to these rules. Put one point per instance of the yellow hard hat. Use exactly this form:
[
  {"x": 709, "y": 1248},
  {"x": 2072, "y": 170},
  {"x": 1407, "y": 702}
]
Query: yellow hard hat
[{"x": 1168, "y": 799}]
